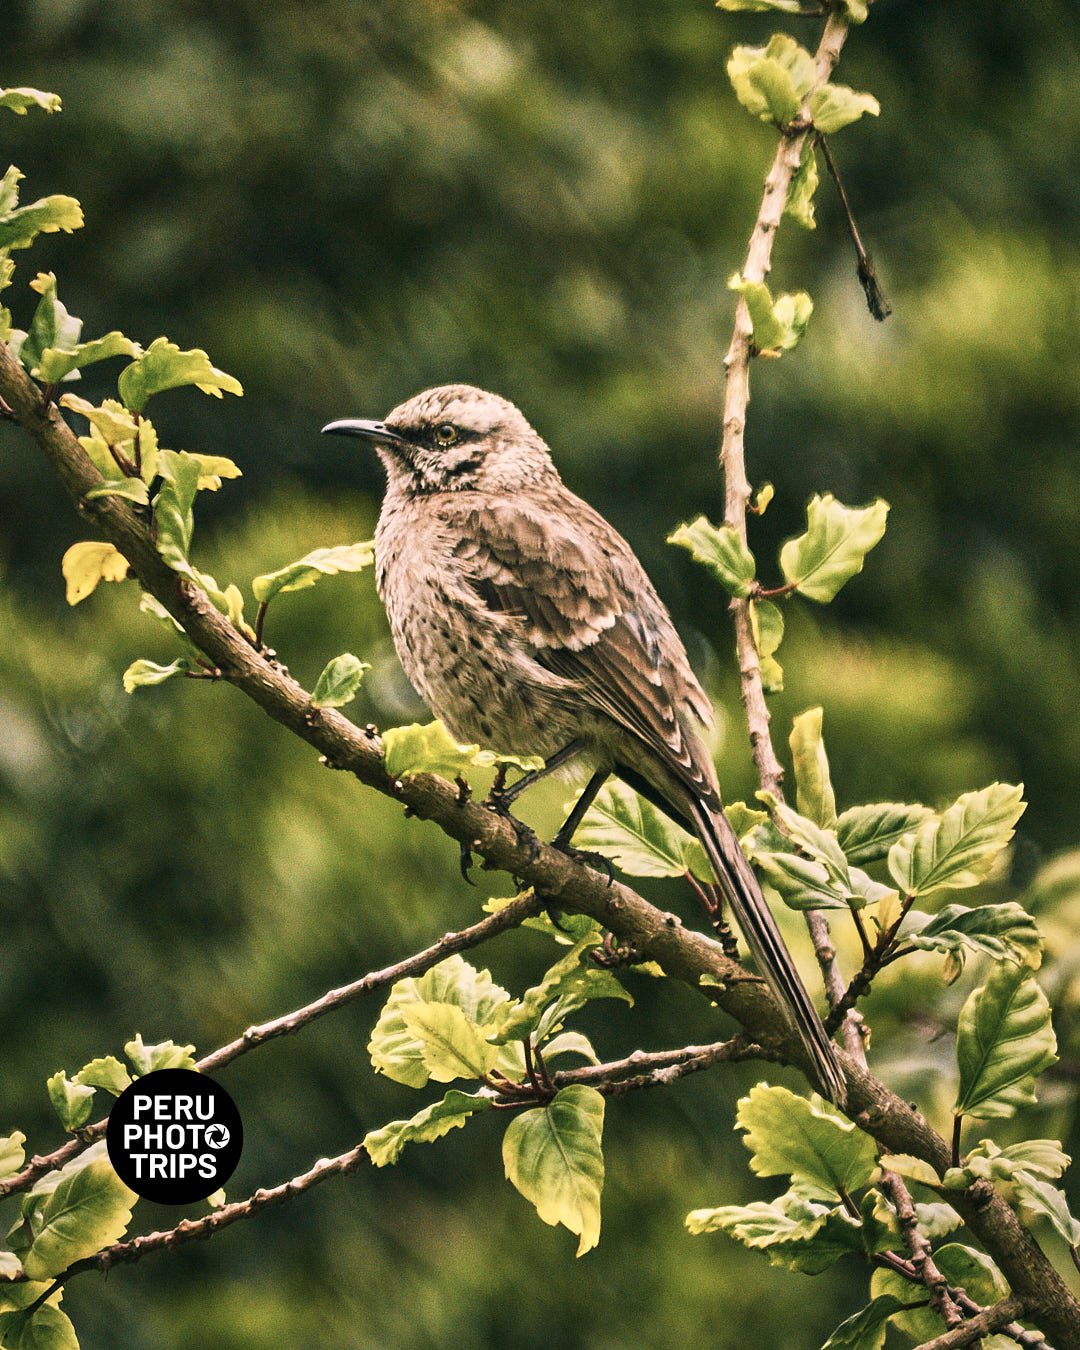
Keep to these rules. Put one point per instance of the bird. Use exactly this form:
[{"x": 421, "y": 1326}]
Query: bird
[{"x": 529, "y": 626}]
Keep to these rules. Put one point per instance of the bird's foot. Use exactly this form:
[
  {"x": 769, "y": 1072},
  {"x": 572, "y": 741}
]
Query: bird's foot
[
  {"x": 612, "y": 953},
  {"x": 587, "y": 857},
  {"x": 465, "y": 863}
]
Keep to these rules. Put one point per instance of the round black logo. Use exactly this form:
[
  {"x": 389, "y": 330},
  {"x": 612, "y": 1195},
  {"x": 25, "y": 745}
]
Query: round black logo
[{"x": 175, "y": 1136}]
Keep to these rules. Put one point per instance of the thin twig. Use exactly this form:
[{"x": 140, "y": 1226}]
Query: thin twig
[
  {"x": 919, "y": 1248},
  {"x": 876, "y": 301},
  {"x": 984, "y": 1324},
  {"x": 737, "y": 492}
]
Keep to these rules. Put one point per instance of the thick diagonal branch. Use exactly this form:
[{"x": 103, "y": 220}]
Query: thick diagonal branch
[{"x": 683, "y": 954}]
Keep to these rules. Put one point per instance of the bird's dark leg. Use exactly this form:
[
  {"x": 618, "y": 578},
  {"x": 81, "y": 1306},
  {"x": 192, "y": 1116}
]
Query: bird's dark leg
[
  {"x": 502, "y": 798},
  {"x": 574, "y": 819}
]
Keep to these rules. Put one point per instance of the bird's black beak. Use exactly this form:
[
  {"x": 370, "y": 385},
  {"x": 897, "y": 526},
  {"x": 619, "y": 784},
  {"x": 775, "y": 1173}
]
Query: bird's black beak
[{"x": 378, "y": 432}]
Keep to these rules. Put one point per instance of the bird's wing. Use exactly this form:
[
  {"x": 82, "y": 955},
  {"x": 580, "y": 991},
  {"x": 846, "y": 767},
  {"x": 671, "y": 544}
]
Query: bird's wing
[{"x": 576, "y": 593}]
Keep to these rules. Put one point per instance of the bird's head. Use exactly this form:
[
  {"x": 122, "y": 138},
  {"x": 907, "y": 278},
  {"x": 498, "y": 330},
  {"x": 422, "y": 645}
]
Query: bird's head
[{"x": 452, "y": 439}]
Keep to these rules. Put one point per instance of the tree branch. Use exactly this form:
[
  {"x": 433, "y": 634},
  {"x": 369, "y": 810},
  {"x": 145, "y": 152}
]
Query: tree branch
[
  {"x": 682, "y": 953},
  {"x": 737, "y": 491},
  {"x": 984, "y": 1324},
  {"x": 919, "y": 1248}
]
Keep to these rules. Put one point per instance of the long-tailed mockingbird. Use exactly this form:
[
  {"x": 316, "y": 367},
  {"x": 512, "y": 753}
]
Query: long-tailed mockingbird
[{"x": 529, "y": 626}]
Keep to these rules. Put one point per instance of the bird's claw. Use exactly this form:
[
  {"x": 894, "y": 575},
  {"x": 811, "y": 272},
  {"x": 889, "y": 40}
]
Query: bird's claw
[
  {"x": 465, "y": 863},
  {"x": 587, "y": 857},
  {"x": 612, "y": 954}
]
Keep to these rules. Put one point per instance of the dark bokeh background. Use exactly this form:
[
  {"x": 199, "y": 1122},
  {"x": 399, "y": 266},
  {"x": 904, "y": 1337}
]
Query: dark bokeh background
[{"x": 345, "y": 201}]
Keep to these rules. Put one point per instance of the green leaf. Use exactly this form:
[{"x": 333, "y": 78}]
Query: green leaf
[
  {"x": 71, "y": 1100},
  {"x": 570, "y": 1043},
  {"x": 20, "y": 226},
  {"x": 51, "y": 326},
  {"x": 164, "y": 366},
  {"x": 47, "y": 1328},
  {"x": 131, "y": 489},
  {"x": 386, "y": 1145},
  {"x": 834, "y": 106},
  {"x": 767, "y": 626},
  {"x": 1042, "y": 1158},
  {"x": 722, "y": 550},
  {"x": 804, "y": 184},
  {"x": 107, "y": 1073},
  {"x": 778, "y": 324},
  {"x": 1004, "y": 1040},
  {"x": 12, "y": 1153},
  {"x": 450, "y": 1044},
  {"x": 87, "y": 563},
  {"x": 866, "y": 1329},
  {"x": 570, "y": 983},
  {"x": 959, "y": 848},
  {"x": 174, "y": 518},
  {"x": 322, "y": 562},
  {"x": 395, "y": 1050},
  {"x": 809, "y": 837},
  {"x": 1007, "y": 932},
  {"x": 429, "y": 748},
  {"x": 814, "y": 793},
  {"x": 866, "y": 833},
  {"x": 1048, "y": 1202},
  {"x": 339, "y": 681},
  {"x": 19, "y": 99},
  {"x": 141, "y": 674},
  {"x": 795, "y": 1233},
  {"x": 112, "y": 421},
  {"x": 552, "y": 1156},
  {"x": 771, "y": 82},
  {"x": 88, "y": 1209},
  {"x": 759, "y": 6},
  {"x": 213, "y": 468},
  {"x": 802, "y": 883},
  {"x": 56, "y": 363},
  {"x": 638, "y": 838},
  {"x": 962, "y": 1267},
  {"x": 164, "y": 1055},
  {"x": 833, "y": 549},
  {"x": 807, "y": 1140},
  {"x": 856, "y": 10}
]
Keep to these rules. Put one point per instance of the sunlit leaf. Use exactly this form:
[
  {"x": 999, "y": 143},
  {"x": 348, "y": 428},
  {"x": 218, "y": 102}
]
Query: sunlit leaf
[
  {"x": 866, "y": 833},
  {"x": 772, "y": 81},
  {"x": 552, "y": 1156},
  {"x": 164, "y": 366},
  {"x": 570, "y": 983},
  {"x": 87, "y": 563},
  {"x": 339, "y": 681},
  {"x": 778, "y": 324},
  {"x": 795, "y": 1233},
  {"x": 89, "y": 1208},
  {"x": 385, "y": 1145},
  {"x": 722, "y": 550},
  {"x": 306, "y": 571},
  {"x": 71, "y": 1101},
  {"x": 834, "y": 546},
  {"x": 142, "y": 674},
  {"x": 638, "y": 838},
  {"x": 759, "y": 6},
  {"x": 804, "y": 1139},
  {"x": 814, "y": 790},
  {"x": 107, "y": 1073},
  {"x": 19, "y": 99},
  {"x": 1007, "y": 932},
  {"x": 804, "y": 183},
  {"x": 767, "y": 626},
  {"x": 21, "y": 225},
  {"x": 12, "y": 1152},
  {"x": 451, "y": 1045},
  {"x": 51, "y": 326},
  {"x": 163, "y": 1055},
  {"x": 834, "y": 106},
  {"x": 1004, "y": 1040},
  {"x": 174, "y": 518},
  {"x": 958, "y": 849},
  {"x": 55, "y": 363},
  {"x": 1048, "y": 1202}
]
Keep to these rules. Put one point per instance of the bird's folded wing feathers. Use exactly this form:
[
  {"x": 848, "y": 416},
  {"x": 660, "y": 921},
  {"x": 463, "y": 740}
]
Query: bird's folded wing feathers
[{"x": 587, "y": 608}]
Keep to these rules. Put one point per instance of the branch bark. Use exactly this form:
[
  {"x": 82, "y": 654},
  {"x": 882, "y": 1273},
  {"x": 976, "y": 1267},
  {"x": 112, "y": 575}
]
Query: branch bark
[
  {"x": 984, "y": 1324},
  {"x": 682, "y": 953},
  {"x": 737, "y": 493}
]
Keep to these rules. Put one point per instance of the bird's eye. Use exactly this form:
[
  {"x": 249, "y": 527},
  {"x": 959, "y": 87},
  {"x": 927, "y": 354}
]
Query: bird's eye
[{"x": 446, "y": 433}]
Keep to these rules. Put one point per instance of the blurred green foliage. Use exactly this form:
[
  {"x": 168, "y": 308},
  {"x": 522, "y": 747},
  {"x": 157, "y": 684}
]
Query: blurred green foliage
[{"x": 344, "y": 201}]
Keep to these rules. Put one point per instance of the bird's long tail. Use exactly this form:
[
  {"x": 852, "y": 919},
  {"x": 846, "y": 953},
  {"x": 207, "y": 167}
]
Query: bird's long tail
[{"x": 758, "y": 927}]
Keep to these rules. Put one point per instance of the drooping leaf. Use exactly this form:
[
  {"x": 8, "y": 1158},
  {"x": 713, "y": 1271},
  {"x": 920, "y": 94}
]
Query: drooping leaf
[
  {"x": 141, "y": 674},
  {"x": 87, "y": 563},
  {"x": 386, "y": 1145},
  {"x": 51, "y": 326},
  {"x": 959, "y": 848},
  {"x": 396, "y": 1050},
  {"x": 571, "y": 1043},
  {"x": 21, "y": 225},
  {"x": 552, "y": 1155},
  {"x": 71, "y": 1101},
  {"x": 1007, "y": 932},
  {"x": 806, "y": 1140},
  {"x": 571, "y": 982},
  {"x": 772, "y": 81},
  {"x": 339, "y": 681},
  {"x": 19, "y": 99},
  {"x": 814, "y": 790},
  {"x": 866, "y": 833},
  {"x": 306, "y": 571},
  {"x": 834, "y": 546},
  {"x": 767, "y": 626},
  {"x": 111, "y": 420},
  {"x": 722, "y": 550},
  {"x": 1004, "y": 1040},
  {"x": 164, "y": 366},
  {"x": 89, "y": 1208},
  {"x": 56, "y": 363},
  {"x": 835, "y": 106},
  {"x": 214, "y": 468},
  {"x": 12, "y": 1153},
  {"x": 804, "y": 184},
  {"x": 1048, "y": 1202},
  {"x": 778, "y": 324},
  {"x": 46, "y": 1328},
  {"x": 865, "y": 1330},
  {"x": 164, "y": 1055},
  {"x": 107, "y": 1073},
  {"x": 638, "y": 838},
  {"x": 174, "y": 518}
]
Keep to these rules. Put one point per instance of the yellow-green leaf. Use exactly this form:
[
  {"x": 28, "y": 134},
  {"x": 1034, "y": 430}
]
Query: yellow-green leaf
[
  {"x": 638, "y": 838},
  {"x": 834, "y": 106},
  {"x": 106, "y": 1073},
  {"x": 146, "y": 1059},
  {"x": 772, "y": 81},
  {"x": 385, "y": 1145},
  {"x": 21, "y": 98},
  {"x": 804, "y": 183},
  {"x": 1004, "y": 1040},
  {"x": 806, "y": 1140},
  {"x": 552, "y": 1155},
  {"x": 306, "y": 571},
  {"x": 339, "y": 681},
  {"x": 767, "y": 627},
  {"x": 19, "y": 227},
  {"x": 143, "y": 674},
  {"x": 164, "y": 366},
  {"x": 451, "y": 1045},
  {"x": 959, "y": 848},
  {"x": 12, "y": 1152},
  {"x": 87, "y": 563},
  {"x": 89, "y": 1208},
  {"x": 55, "y": 363},
  {"x": 777, "y": 324},
  {"x": 46, "y": 1328},
  {"x": 814, "y": 795},
  {"x": 722, "y": 550},
  {"x": 835, "y": 544}
]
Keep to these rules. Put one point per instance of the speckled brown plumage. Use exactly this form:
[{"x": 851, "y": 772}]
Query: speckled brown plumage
[{"x": 527, "y": 623}]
